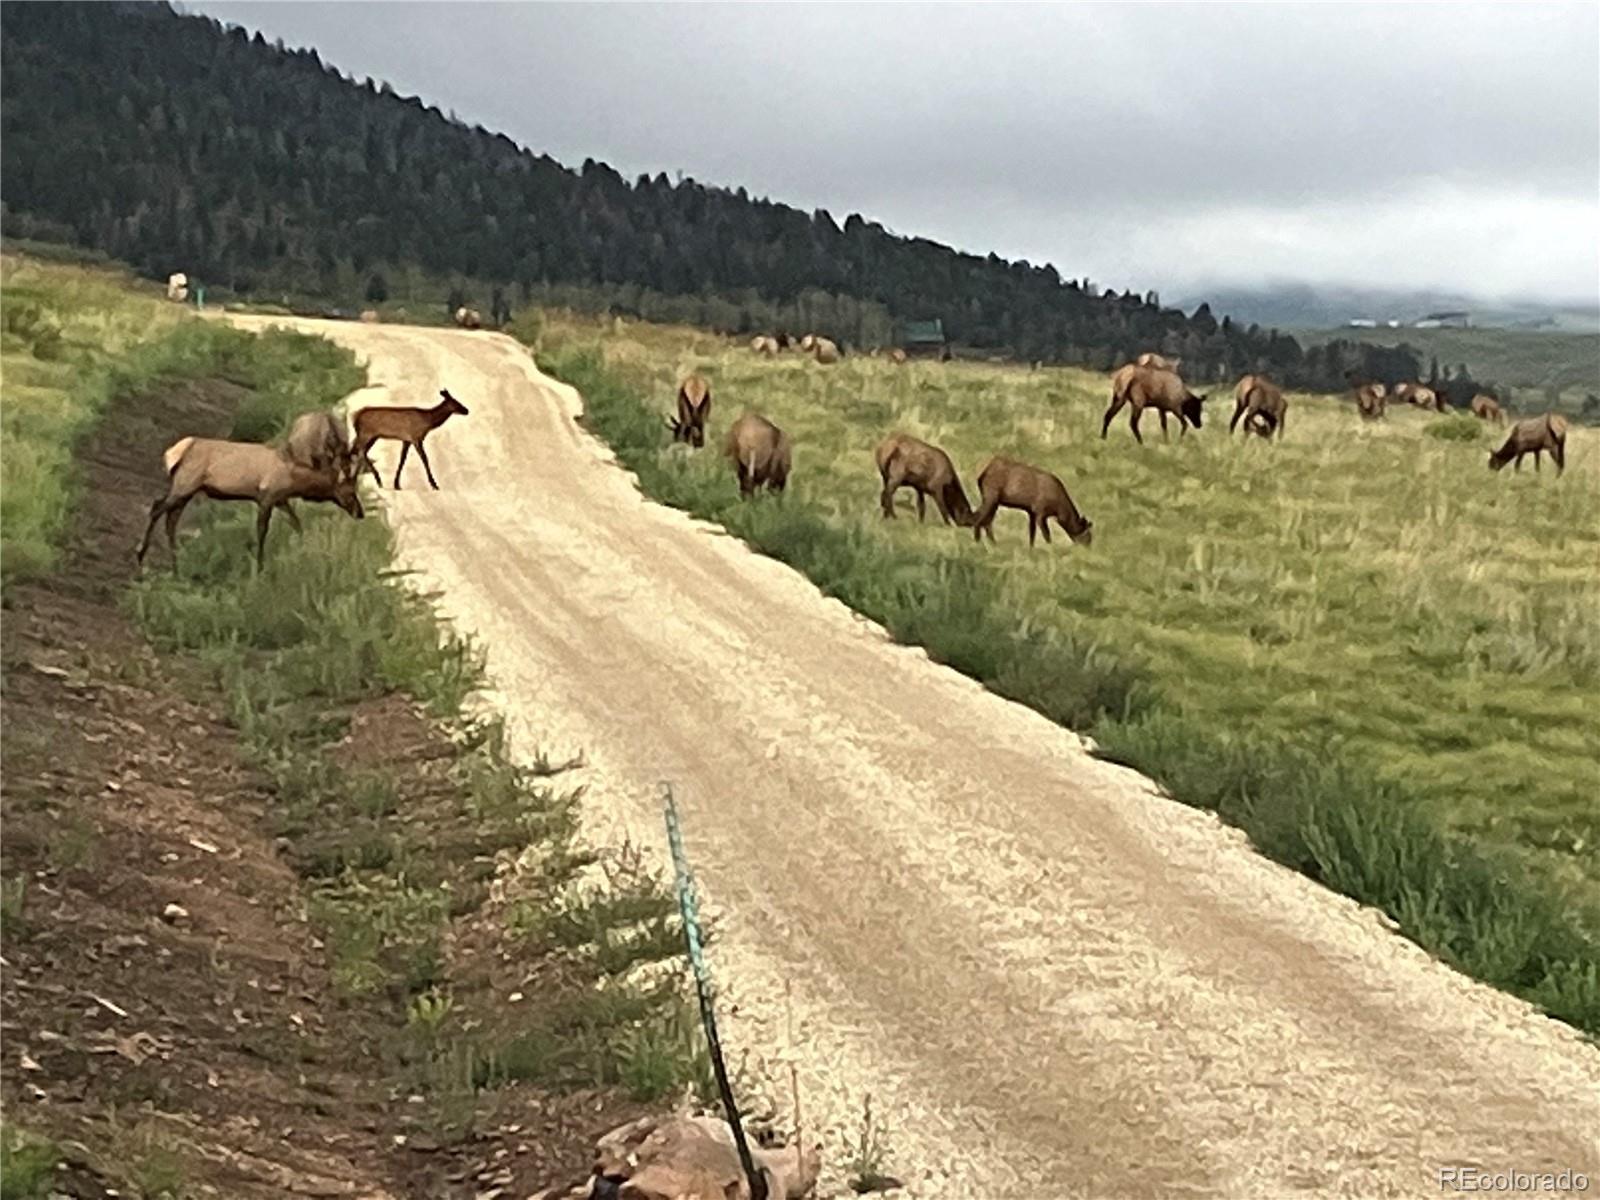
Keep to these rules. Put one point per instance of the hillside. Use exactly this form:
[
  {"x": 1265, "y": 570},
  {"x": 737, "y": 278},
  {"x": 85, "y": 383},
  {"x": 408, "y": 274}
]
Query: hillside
[
  {"x": 1301, "y": 306},
  {"x": 173, "y": 142}
]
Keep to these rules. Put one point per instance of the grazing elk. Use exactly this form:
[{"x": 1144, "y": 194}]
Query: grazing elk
[
  {"x": 246, "y": 471},
  {"x": 694, "y": 406},
  {"x": 825, "y": 350},
  {"x": 905, "y": 461},
  {"x": 760, "y": 453},
  {"x": 408, "y": 426},
  {"x": 764, "y": 345},
  {"x": 1260, "y": 404},
  {"x": 1487, "y": 408},
  {"x": 1006, "y": 483},
  {"x": 1371, "y": 400},
  {"x": 1534, "y": 435},
  {"x": 1151, "y": 387},
  {"x": 1419, "y": 395},
  {"x": 317, "y": 440}
]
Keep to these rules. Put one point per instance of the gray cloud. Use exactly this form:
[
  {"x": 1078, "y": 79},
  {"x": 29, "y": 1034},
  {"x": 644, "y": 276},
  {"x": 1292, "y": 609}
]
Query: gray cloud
[{"x": 1150, "y": 145}]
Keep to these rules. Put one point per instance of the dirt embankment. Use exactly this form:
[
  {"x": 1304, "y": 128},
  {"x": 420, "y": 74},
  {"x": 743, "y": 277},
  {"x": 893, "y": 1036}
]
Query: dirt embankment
[{"x": 169, "y": 1018}]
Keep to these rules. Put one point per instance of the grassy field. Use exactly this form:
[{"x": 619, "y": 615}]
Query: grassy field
[
  {"x": 1528, "y": 361},
  {"x": 1360, "y": 644}
]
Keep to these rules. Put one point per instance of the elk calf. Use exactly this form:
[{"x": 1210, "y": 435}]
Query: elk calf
[
  {"x": 246, "y": 471},
  {"x": 1006, "y": 483},
  {"x": 406, "y": 425},
  {"x": 1534, "y": 435},
  {"x": 905, "y": 461},
  {"x": 760, "y": 453},
  {"x": 694, "y": 406},
  {"x": 1152, "y": 387}
]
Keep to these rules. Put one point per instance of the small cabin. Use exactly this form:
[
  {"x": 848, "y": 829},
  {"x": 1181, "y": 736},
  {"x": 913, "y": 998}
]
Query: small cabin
[{"x": 924, "y": 339}]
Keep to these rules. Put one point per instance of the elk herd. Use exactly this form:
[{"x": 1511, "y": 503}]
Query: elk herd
[
  {"x": 317, "y": 462},
  {"x": 761, "y": 454}
]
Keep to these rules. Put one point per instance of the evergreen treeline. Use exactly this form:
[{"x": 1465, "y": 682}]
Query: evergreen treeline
[{"x": 175, "y": 143}]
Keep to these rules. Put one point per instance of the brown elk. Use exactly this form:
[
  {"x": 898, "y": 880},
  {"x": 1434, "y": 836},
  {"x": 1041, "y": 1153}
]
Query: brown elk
[
  {"x": 1152, "y": 387},
  {"x": 1260, "y": 404},
  {"x": 694, "y": 406},
  {"x": 317, "y": 439},
  {"x": 760, "y": 452},
  {"x": 406, "y": 425},
  {"x": 764, "y": 345},
  {"x": 905, "y": 461},
  {"x": 469, "y": 318},
  {"x": 1419, "y": 395},
  {"x": 1534, "y": 435},
  {"x": 1006, "y": 483},
  {"x": 897, "y": 356},
  {"x": 825, "y": 350},
  {"x": 1371, "y": 400},
  {"x": 246, "y": 471},
  {"x": 1487, "y": 408}
]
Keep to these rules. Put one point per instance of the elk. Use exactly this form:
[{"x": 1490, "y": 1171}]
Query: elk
[
  {"x": 825, "y": 350},
  {"x": 760, "y": 453},
  {"x": 897, "y": 356},
  {"x": 1534, "y": 435},
  {"x": 905, "y": 461},
  {"x": 1006, "y": 483},
  {"x": 317, "y": 440},
  {"x": 407, "y": 425},
  {"x": 246, "y": 471},
  {"x": 1371, "y": 399},
  {"x": 1152, "y": 387},
  {"x": 1420, "y": 395},
  {"x": 764, "y": 345},
  {"x": 694, "y": 406},
  {"x": 1260, "y": 403},
  {"x": 469, "y": 318},
  {"x": 1487, "y": 408}
]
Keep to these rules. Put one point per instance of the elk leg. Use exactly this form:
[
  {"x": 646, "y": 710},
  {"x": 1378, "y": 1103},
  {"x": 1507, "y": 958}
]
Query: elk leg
[
  {"x": 893, "y": 477},
  {"x": 174, "y": 511},
  {"x": 405, "y": 449},
  {"x": 1281, "y": 417},
  {"x": 1116, "y": 407},
  {"x": 922, "y": 508},
  {"x": 263, "y": 522},
  {"x": 1033, "y": 529},
  {"x": 362, "y": 453},
  {"x": 981, "y": 523},
  {"x": 1133, "y": 424},
  {"x": 1238, "y": 411},
  {"x": 1558, "y": 454},
  {"x": 423, "y": 455},
  {"x": 1163, "y": 414},
  {"x": 156, "y": 509},
  {"x": 294, "y": 517},
  {"x": 1538, "y": 461},
  {"x": 1044, "y": 527}
]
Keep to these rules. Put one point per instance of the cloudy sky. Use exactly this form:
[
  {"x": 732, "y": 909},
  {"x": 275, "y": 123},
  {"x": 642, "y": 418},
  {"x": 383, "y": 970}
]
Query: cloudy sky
[{"x": 1146, "y": 145}]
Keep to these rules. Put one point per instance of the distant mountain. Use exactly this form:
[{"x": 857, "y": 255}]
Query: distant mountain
[{"x": 1299, "y": 306}]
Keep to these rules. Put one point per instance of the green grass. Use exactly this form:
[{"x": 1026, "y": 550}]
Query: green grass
[
  {"x": 75, "y": 337},
  {"x": 1358, "y": 644},
  {"x": 27, "y": 1165}
]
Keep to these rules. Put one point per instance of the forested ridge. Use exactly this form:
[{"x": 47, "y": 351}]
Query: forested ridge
[{"x": 174, "y": 142}]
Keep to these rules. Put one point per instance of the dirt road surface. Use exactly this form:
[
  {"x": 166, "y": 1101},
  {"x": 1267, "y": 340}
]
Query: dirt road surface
[{"x": 1052, "y": 981}]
